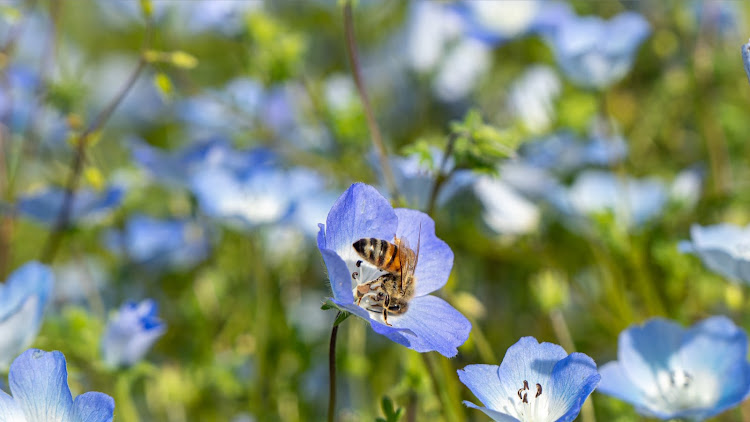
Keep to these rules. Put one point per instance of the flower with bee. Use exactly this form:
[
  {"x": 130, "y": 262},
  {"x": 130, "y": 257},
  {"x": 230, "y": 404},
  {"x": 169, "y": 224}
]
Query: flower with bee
[{"x": 383, "y": 263}]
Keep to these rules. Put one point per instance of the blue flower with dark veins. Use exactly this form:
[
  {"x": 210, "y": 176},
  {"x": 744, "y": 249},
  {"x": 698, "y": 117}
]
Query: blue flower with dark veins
[
  {"x": 23, "y": 298},
  {"x": 670, "y": 372},
  {"x": 534, "y": 383},
  {"x": 159, "y": 243},
  {"x": 397, "y": 305},
  {"x": 39, "y": 386},
  {"x": 595, "y": 53},
  {"x": 88, "y": 206},
  {"x": 131, "y": 332},
  {"x": 723, "y": 248}
]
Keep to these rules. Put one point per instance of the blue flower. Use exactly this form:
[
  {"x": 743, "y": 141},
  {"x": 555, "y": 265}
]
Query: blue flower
[
  {"x": 723, "y": 248},
  {"x": 505, "y": 210},
  {"x": 596, "y": 53},
  {"x": 39, "y": 385},
  {"x": 532, "y": 97},
  {"x": 23, "y": 298},
  {"x": 561, "y": 152},
  {"x": 535, "y": 382},
  {"x": 632, "y": 202},
  {"x": 746, "y": 58},
  {"x": 160, "y": 243},
  {"x": 669, "y": 372},
  {"x": 430, "y": 323},
  {"x": 88, "y": 206},
  {"x": 131, "y": 332}
]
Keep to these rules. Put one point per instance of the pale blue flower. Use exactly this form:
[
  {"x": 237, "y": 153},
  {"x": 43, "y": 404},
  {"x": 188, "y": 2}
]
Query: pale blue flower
[
  {"x": 23, "y": 298},
  {"x": 670, "y": 372},
  {"x": 88, "y": 206},
  {"x": 563, "y": 152},
  {"x": 723, "y": 248},
  {"x": 532, "y": 97},
  {"x": 505, "y": 210},
  {"x": 596, "y": 53},
  {"x": 429, "y": 323},
  {"x": 534, "y": 383},
  {"x": 157, "y": 244},
  {"x": 40, "y": 393},
  {"x": 632, "y": 202},
  {"x": 175, "y": 168},
  {"x": 131, "y": 332}
]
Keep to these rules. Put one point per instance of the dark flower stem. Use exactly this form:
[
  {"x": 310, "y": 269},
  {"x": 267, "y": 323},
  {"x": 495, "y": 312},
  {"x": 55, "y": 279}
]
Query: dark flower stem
[
  {"x": 79, "y": 158},
  {"x": 440, "y": 177},
  {"x": 332, "y": 369},
  {"x": 377, "y": 138}
]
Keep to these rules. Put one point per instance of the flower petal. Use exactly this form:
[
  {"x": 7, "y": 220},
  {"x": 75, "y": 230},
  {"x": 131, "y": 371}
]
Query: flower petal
[
  {"x": 39, "y": 383},
  {"x": 699, "y": 350},
  {"x": 616, "y": 383},
  {"x": 528, "y": 360},
  {"x": 484, "y": 382},
  {"x": 643, "y": 350},
  {"x": 359, "y": 212},
  {"x": 339, "y": 276},
  {"x": 573, "y": 380},
  {"x": 435, "y": 256},
  {"x": 435, "y": 326},
  {"x": 496, "y": 416},
  {"x": 94, "y": 407},
  {"x": 9, "y": 409}
]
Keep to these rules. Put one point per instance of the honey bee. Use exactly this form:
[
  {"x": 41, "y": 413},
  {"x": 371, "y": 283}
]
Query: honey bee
[{"x": 389, "y": 293}]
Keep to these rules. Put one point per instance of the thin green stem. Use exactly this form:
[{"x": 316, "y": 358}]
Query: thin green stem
[
  {"x": 332, "y": 370},
  {"x": 440, "y": 177},
  {"x": 377, "y": 138},
  {"x": 79, "y": 158}
]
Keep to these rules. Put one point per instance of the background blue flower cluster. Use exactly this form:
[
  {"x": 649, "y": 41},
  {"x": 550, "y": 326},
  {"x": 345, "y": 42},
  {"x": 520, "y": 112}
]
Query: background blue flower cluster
[{"x": 181, "y": 183}]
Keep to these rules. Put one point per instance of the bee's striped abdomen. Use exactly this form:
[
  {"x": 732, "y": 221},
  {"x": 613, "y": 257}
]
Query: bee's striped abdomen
[{"x": 378, "y": 252}]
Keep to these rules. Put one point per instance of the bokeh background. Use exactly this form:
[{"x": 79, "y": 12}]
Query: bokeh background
[{"x": 564, "y": 203}]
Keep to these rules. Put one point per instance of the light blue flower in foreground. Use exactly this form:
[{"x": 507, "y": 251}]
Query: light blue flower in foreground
[
  {"x": 534, "y": 383},
  {"x": 723, "y": 248},
  {"x": 156, "y": 243},
  {"x": 429, "y": 323},
  {"x": 88, "y": 207},
  {"x": 596, "y": 53},
  {"x": 23, "y": 298},
  {"x": 746, "y": 58},
  {"x": 670, "y": 372},
  {"x": 131, "y": 332},
  {"x": 40, "y": 393}
]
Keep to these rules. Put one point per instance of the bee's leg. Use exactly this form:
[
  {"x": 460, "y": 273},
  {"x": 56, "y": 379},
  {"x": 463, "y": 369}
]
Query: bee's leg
[
  {"x": 386, "y": 302},
  {"x": 362, "y": 290}
]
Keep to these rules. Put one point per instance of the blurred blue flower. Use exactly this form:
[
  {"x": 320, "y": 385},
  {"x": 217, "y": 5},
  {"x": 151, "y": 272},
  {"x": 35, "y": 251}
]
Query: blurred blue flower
[
  {"x": 723, "y": 248},
  {"x": 225, "y": 16},
  {"x": 227, "y": 110},
  {"x": 131, "y": 332},
  {"x": 746, "y": 58},
  {"x": 495, "y": 22},
  {"x": 88, "y": 206},
  {"x": 505, "y": 210},
  {"x": 175, "y": 168},
  {"x": 562, "y": 152},
  {"x": 430, "y": 323},
  {"x": 721, "y": 17},
  {"x": 23, "y": 298},
  {"x": 19, "y": 105},
  {"x": 532, "y": 97},
  {"x": 534, "y": 383},
  {"x": 631, "y": 201},
  {"x": 157, "y": 244},
  {"x": 461, "y": 70},
  {"x": 595, "y": 53},
  {"x": 669, "y": 372},
  {"x": 39, "y": 385}
]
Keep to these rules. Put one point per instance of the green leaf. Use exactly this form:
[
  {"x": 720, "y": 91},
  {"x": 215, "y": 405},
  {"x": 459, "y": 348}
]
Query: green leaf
[{"x": 391, "y": 414}]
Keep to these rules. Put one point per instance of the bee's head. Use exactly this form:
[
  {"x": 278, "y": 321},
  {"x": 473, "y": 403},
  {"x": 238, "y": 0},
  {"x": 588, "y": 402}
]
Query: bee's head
[{"x": 398, "y": 306}]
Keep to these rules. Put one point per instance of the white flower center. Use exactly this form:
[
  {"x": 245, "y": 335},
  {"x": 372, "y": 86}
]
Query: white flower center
[
  {"x": 679, "y": 389},
  {"x": 531, "y": 404}
]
